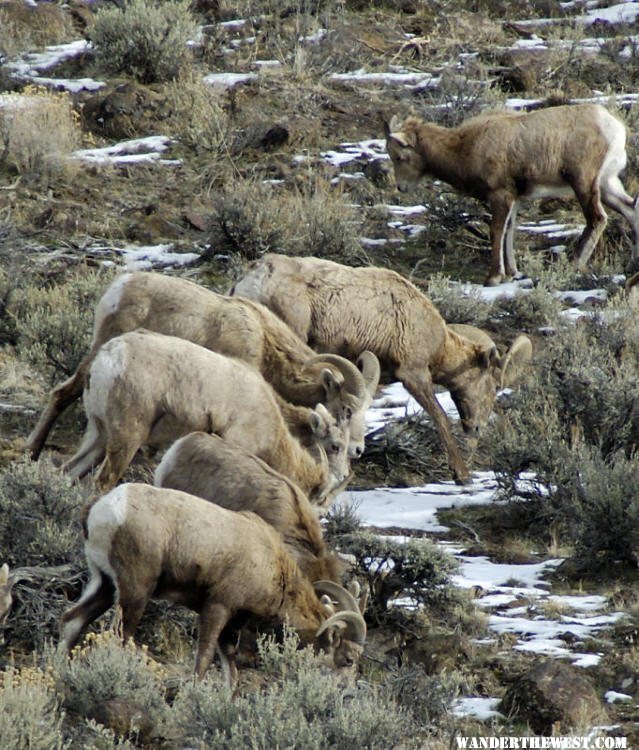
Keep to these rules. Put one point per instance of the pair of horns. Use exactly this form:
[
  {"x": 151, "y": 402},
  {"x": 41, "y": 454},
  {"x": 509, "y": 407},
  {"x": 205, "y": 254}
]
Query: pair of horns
[
  {"x": 348, "y": 616},
  {"x": 360, "y": 380}
]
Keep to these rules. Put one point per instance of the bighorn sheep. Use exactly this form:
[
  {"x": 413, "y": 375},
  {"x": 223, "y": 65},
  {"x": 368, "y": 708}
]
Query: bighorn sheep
[
  {"x": 5, "y": 593},
  {"x": 145, "y": 388},
  {"x": 209, "y": 467},
  {"x": 235, "y": 327},
  {"x": 346, "y": 310},
  {"x": 504, "y": 157},
  {"x": 144, "y": 542}
]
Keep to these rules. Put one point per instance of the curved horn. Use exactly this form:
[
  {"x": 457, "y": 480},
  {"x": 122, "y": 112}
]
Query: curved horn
[
  {"x": 345, "y": 600},
  {"x": 515, "y": 359},
  {"x": 353, "y": 379},
  {"x": 368, "y": 365},
  {"x": 353, "y": 623}
]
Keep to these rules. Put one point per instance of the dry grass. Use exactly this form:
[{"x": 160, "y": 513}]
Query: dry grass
[{"x": 39, "y": 132}]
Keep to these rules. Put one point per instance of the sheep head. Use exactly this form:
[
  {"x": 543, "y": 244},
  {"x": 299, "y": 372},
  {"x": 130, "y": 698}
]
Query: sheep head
[
  {"x": 474, "y": 385},
  {"x": 330, "y": 438},
  {"x": 401, "y": 145},
  {"x": 349, "y": 392},
  {"x": 343, "y": 634}
]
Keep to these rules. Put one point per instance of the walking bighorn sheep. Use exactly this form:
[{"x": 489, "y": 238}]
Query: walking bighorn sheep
[
  {"x": 143, "y": 542},
  {"x": 145, "y": 388},
  {"x": 235, "y": 327},
  {"x": 504, "y": 157},
  {"x": 346, "y": 310}
]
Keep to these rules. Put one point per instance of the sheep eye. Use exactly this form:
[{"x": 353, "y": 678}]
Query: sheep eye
[{"x": 348, "y": 412}]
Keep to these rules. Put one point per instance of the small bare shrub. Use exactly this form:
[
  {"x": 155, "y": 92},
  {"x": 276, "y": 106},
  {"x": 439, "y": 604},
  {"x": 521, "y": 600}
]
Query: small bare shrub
[
  {"x": 252, "y": 219},
  {"x": 144, "y": 39},
  {"x": 30, "y": 715},
  {"x": 54, "y": 324},
  {"x": 39, "y": 131},
  {"x": 194, "y": 115},
  {"x": 24, "y": 27}
]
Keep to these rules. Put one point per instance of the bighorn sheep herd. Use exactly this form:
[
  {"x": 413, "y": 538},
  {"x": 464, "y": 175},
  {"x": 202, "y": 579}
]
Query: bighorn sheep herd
[
  {"x": 502, "y": 158},
  {"x": 261, "y": 397}
]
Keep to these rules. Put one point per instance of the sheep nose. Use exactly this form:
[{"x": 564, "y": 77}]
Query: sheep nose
[{"x": 355, "y": 451}]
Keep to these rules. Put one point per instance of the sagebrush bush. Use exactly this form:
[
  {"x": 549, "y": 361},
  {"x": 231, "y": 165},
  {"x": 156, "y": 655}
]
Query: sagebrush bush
[
  {"x": 576, "y": 426},
  {"x": 30, "y": 714},
  {"x": 144, "y": 39},
  {"x": 251, "y": 219},
  {"x": 39, "y": 515},
  {"x": 104, "y": 670},
  {"x": 55, "y": 323},
  {"x": 456, "y": 304},
  {"x": 528, "y": 310},
  {"x": 303, "y": 706},
  {"x": 39, "y": 130}
]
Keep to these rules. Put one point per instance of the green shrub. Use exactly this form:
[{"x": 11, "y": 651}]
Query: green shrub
[
  {"x": 30, "y": 715},
  {"x": 39, "y": 515},
  {"x": 303, "y": 706},
  {"x": 104, "y": 670},
  {"x": 144, "y": 39},
  {"x": 456, "y": 305},
  {"x": 39, "y": 526},
  {"x": 418, "y": 570},
  {"x": 55, "y": 324}
]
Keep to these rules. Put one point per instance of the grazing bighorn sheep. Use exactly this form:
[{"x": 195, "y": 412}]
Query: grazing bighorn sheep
[
  {"x": 347, "y": 310},
  {"x": 209, "y": 467},
  {"x": 237, "y": 328},
  {"x": 504, "y": 157},
  {"x": 5, "y": 593},
  {"x": 144, "y": 542},
  {"x": 145, "y": 388}
]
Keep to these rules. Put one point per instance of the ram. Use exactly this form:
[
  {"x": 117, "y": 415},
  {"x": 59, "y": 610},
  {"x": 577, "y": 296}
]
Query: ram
[
  {"x": 143, "y": 542},
  {"x": 145, "y": 388},
  {"x": 347, "y": 310},
  {"x": 502, "y": 158},
  {"x": 235, "y": 327}
]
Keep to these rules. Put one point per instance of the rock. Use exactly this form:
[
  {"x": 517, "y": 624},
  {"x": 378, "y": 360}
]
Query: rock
[
  {"x": 123, "y": 110},
  {"x": 554, "y": 697}
]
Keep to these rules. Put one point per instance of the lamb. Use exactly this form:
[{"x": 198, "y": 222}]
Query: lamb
[
  {"x": 502, "y": 158},
  {"x": 237, "y": 328},
  {"x": 347, "y": 310},
  {"x": 145, "y": 388},
  {"x": 143, "y": 542}
]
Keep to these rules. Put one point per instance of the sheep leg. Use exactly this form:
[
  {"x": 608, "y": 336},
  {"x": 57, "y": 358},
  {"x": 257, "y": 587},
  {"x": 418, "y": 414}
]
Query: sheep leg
[
  {"x": 589, "y": 198},
  {"x": 615, "y": 197},
  {"x": 97, "y": 597},
  {"x": 501, "y": 205},
  {"x": 61, "y": 397},
  {"x": 509, "y": 243},
  {"x": 121, "y": 446},
  {"x": 213, "y": 618},
  {"x": 420, "y": 386},
  {"x": 91, "y": 451}
]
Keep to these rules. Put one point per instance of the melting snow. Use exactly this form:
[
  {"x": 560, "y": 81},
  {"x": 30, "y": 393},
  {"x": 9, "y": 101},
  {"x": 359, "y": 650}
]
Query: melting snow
[{"x": 477, "y": 708}]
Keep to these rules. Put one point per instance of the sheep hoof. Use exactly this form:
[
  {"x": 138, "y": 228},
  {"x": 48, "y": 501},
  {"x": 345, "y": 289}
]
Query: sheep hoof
[{"x": 494, "y": 279}]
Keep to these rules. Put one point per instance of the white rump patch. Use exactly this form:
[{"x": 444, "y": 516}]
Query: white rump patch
[
  {"x": 111, "y": 299},
  {"x": 167, "y": 463},
  {"x": 105, "y": 518}
]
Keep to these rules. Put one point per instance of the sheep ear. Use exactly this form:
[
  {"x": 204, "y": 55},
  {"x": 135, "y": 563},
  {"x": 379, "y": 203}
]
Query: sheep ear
[
  {"x": 332, "y": 386},
  {"x": 394, "y": 124},
  {"x": 516, "y": 360},
  {"x": 489, "y": 357},
  {"x": 405, "y": 140}
]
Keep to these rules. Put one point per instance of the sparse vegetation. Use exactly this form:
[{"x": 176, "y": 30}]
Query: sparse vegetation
[{"x": 249, "y": 173}]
